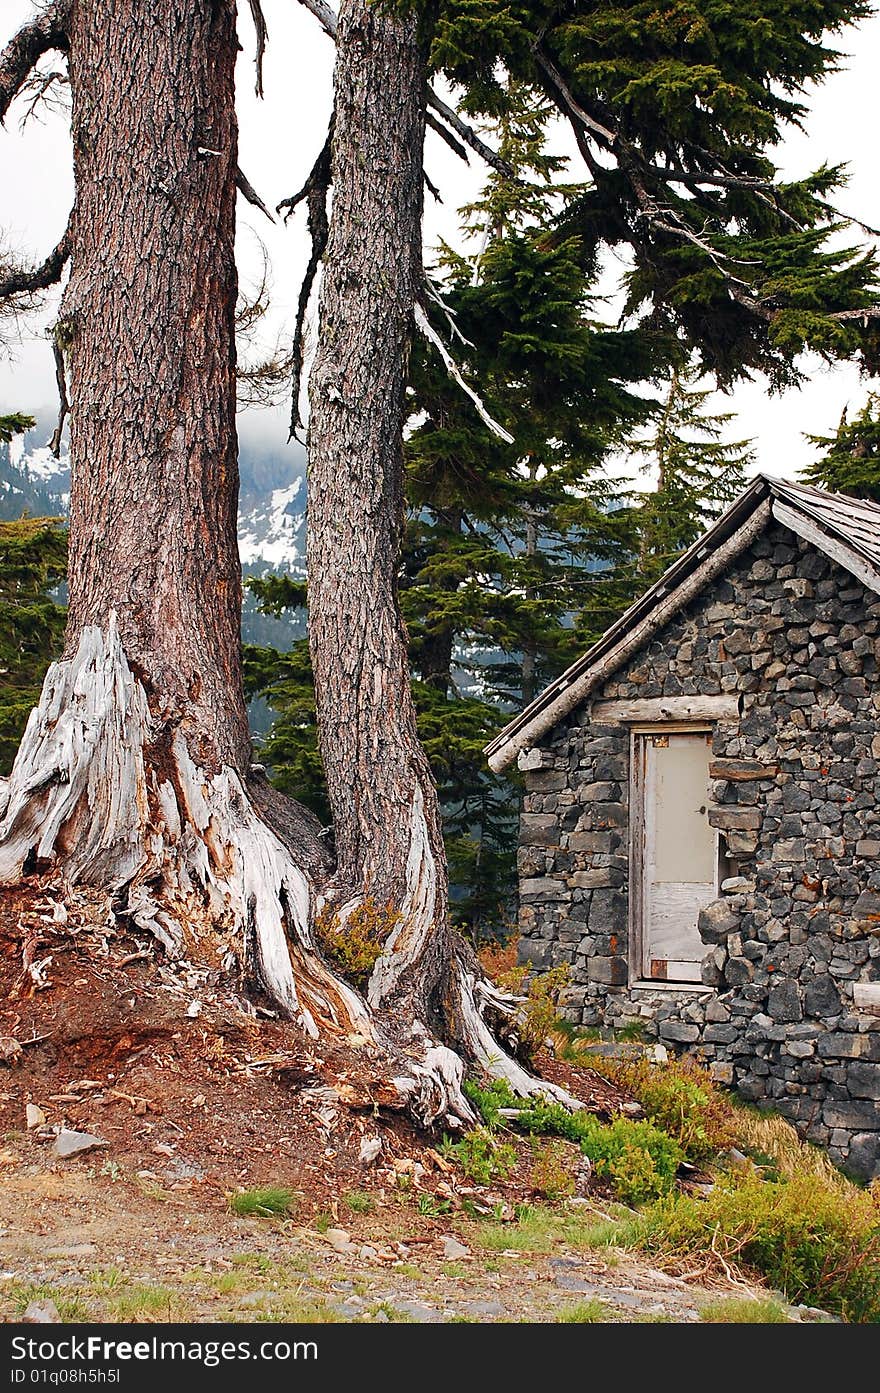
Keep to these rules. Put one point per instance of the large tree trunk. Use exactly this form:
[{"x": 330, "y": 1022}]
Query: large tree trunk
[
  {"x": 387, "y": 825},
  {"x": 133, "y": 773},
  {"x": 425, "y": 985}
]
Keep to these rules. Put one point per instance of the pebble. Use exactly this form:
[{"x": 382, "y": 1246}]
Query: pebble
[
  {"x": 452, "y": 1249},
  {"x": 340, "y": 1241},
  {"x": 35, "y": 1116},
  {"x": 43, "y": 1312},
  {"x": 370, "y": 1150},
  {"x": 69, "y": 1143}
]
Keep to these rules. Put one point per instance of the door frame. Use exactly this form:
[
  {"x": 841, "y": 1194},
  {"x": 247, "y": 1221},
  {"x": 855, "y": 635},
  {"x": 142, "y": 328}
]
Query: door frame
[{"x": 640, "y": 733}]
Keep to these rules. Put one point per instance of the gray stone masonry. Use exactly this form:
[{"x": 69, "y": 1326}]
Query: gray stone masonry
[{"x": 795, "y": 795}]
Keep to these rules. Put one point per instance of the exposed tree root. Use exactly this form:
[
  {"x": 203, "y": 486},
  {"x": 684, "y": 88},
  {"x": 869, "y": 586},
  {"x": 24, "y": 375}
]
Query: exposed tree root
[{"x": 110, "y": 794}]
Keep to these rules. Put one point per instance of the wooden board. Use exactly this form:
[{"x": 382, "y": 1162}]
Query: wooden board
[
  {"x": 680, "y": 708},
  {"x": 679, "y": 873}
]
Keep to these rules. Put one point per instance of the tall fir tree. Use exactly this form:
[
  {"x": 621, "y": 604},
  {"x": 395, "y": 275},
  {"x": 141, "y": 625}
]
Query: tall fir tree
[
  {"x": 676, "y": 113},
  {"x": 850, "y": 459},
  {"x": 507, "y": 539},
  {"x": 698, "y": 472}
]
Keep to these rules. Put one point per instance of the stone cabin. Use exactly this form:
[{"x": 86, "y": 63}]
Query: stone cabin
[{"x": 700, "y": 833}]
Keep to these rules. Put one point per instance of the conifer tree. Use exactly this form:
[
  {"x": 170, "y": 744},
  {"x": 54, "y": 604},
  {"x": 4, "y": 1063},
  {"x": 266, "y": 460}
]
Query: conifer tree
[
  {"x": 699, "y": 473},
  {"x": 33, "y": 561},
  {"x": 850, "y": 461}
]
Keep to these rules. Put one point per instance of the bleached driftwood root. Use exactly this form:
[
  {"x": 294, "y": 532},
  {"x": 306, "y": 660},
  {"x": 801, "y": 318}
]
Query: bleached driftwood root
[
  {"x": 405, "y": 945},
  {"x": 189, "y": 859},
  {"x": 477, "y": 995},
  {"x": 183, "y": 850}
]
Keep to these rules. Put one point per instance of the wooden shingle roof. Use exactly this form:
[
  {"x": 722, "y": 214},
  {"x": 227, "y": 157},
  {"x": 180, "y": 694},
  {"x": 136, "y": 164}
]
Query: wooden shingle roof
[{"x": 846, "y": 529}]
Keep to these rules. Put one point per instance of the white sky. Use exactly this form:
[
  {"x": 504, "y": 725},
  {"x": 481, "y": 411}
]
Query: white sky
[{"x": 280, "y": 137}]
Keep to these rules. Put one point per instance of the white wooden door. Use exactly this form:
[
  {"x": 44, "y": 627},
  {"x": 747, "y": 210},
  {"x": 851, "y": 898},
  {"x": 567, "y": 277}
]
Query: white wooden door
[{"x": 679, "y": 873}]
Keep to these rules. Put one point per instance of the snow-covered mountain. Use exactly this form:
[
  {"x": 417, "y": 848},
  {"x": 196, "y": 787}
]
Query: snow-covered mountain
[{"x": 271, "y": 520}]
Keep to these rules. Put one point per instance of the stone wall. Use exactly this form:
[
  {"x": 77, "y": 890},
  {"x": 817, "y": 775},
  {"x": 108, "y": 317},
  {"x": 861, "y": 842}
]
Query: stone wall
[{"x": 784, "y": 1013}]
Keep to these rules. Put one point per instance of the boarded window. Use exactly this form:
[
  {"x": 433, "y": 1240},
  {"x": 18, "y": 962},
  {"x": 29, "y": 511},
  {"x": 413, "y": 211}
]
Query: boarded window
[{"x": 675, "y": 853}]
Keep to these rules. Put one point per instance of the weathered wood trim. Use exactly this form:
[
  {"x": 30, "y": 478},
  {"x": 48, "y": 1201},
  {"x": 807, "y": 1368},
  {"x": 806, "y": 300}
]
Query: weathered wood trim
[
  {"x": 635, "y": 957},
  {"x": 676, "y": 708},
  {"x": 670, "y": 727},
  {"x": 831, "y": 546},
  {"x": 580, "y": 687}
]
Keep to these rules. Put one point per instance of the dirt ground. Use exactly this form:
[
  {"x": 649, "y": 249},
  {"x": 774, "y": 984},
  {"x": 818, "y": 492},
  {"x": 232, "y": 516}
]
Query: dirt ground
[{"x": 196, "y": 1098}]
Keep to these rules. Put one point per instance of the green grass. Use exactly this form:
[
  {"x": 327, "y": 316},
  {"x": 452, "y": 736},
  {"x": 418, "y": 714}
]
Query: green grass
[
  {"x": 395, "y": 1316},
  {"x": 539, "y": 1230},
  {"x": 255, "y": 1260},
  {"x": 137, "y": 1303},
  {"x": 107, "y": 1279},
  {"x": 744, "y": 1311},
  {"x": 593, "y": 1312},
  {"x": 266, "y": 1203},
  {"x": 359, "y": 1202}
]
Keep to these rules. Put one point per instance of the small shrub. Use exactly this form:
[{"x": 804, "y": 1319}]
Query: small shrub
[
  {"x": 814, "y": 1242},
  {"x": 499, "y": 959},
  {"x": 481, "y": 1156},
  {"x": 639, "y": 1162},
  {"x": 739, "y": 1311},
  {"x": 359, "y": 1202},
  {"x": 552, "y": 1174},
  {"x": 636, "y": 1159},
  {"x": 537, "y": 1016},
  {"x": 265, "y": 1203},
  {"x": 356, "y": 944},
  {"x": 680, "y": 1098}
]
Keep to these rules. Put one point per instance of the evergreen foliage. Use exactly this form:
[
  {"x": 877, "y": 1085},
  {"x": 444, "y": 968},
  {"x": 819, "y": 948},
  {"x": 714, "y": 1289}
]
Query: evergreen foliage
[
  {"x": 698, "y": 473},
  {"x": 33, "y": 560},
  {"x": 676, "y": 112},
  {"x": 850, "y": 461},
  {"x": 14, "y": 424}
]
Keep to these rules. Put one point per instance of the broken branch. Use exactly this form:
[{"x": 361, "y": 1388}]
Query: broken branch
[
  {"x": 314, "y": 191},
  {"x": 45, "y": 32},
  {"x": 246, "y": 188},
  {"x": 20, "y": 282},
  {"x": 262, "y": 35},
  {"x": 63, "y": 404}
]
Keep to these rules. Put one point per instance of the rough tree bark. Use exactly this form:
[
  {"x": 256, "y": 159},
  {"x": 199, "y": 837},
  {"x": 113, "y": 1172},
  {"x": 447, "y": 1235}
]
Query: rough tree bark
[
  {"x": 134, "y": 772},
  {"x": 386, "y": 817},
  {"x": 385, "y": 814}
]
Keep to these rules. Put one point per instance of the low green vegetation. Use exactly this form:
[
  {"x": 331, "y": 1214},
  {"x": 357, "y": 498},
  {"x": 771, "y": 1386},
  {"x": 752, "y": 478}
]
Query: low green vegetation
[
  {"x": 681, "y": 1099},
  {"x": 266, "y": 1203},
  {"x": 552, "y": 1174},
  {"x": 586, "y": 1313},
  {"x": 359, "y": 1202},
  {"x": 744, "y": 1311},
  {"x": 481, "y": 1155},
  {"x": 637, "y": 1160},
  {"x": 774, "y": 1207},
  {"x": 810, "y": 1241}
]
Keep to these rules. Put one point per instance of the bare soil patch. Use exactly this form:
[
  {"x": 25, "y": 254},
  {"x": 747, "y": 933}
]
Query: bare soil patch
[{"x": 196, "y": 1097}]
